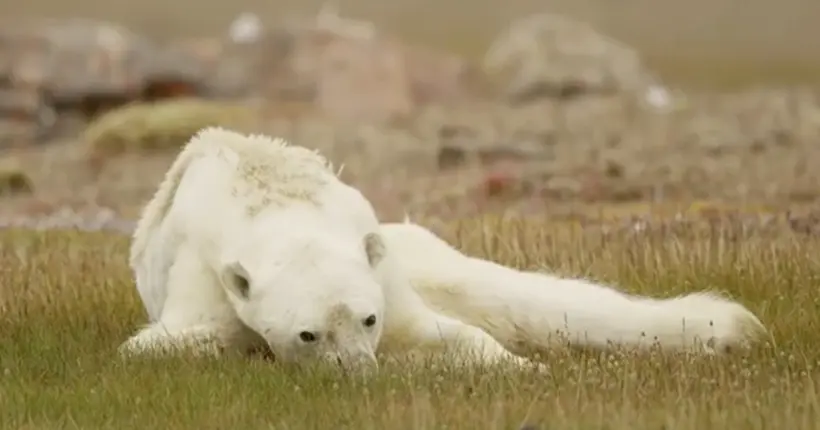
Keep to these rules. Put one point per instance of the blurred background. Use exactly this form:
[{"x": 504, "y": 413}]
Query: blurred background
[
  {"x": 697, "y": 42},
  {"x": 564, "y": 109}
]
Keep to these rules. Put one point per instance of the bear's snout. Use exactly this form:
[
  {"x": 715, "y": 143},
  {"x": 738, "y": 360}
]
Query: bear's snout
[{"x": 355, "y": 362}]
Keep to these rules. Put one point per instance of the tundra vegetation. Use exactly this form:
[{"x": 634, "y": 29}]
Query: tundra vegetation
[{"x": 68, "y": 301}]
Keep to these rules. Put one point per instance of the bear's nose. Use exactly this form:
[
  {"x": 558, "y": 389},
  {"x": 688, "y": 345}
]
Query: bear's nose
[{"x": 364, "y": 365}]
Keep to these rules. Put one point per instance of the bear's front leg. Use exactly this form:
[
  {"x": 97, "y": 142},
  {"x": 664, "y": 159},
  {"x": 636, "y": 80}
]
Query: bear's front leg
[
  {"x": 195, "y": 317},
  {"x": 157, "y": 339}
]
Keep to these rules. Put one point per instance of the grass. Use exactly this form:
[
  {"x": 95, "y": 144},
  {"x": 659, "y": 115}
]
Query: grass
[{"x": 68, "y": 300}]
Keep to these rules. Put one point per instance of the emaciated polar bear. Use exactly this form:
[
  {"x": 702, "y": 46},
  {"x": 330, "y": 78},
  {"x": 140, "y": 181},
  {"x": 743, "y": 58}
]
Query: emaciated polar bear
[
  {"x": 530, "y": 312},
  {"x": 252, "y": 242}
]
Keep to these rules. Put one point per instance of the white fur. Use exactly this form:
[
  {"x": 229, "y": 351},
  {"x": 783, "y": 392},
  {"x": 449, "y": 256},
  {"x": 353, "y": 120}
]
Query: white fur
[
  {"x": 526, "y": 310},
  {"x": 233, "y": 206}
]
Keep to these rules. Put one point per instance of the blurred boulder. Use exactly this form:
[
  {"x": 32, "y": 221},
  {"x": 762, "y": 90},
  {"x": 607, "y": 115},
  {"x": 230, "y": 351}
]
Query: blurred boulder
[
  {"x": 551, "y": 56},
  {"x": 440, "y": 77},
  {"x": 360, "y": 78},
  {"x": 453, "y": 153},
  {"x": 346, "y": 67},
  {"x": 85, "y": 66},
  {"x": 13, "y": 179},
  {"x": 161, "y": 126},
  {"x": 25, "y": 117}
]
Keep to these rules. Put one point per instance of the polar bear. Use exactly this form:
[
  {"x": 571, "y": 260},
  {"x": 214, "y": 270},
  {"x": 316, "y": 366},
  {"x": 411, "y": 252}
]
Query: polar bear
[
  {"x": 525, "y": 311},
  {"x": 252, "y": 242}
]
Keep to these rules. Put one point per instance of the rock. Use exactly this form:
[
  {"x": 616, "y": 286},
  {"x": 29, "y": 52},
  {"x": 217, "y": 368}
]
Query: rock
[
  {"x": 338, "y": 64},
  {"x": 459, "y": 146},
  {"x": 25, "y": 117},
  {"x": 238, "y": 67},
  {"x": 87, "y": 66},
  {"x": 454, "y": 154},
  {"x": 246, "y": 27},
  {"x": 552, "y": 56},
  {"x": 362, "y": 79},
  {"x": 499, "y": 182},
  {"x": 346, "y": 67},
  {"x": 160, "y": 126},
  {"x": 439, "y": 77},
  {"x": 451, "y": 156},
  {"x": 14, "y": 180}
]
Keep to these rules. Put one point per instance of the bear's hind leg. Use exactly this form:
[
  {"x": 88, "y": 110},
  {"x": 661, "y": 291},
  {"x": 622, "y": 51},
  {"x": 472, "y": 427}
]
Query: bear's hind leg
[
  {"x": 469, "y": 343},
  {"x": 464, "y": 343},
  {"x": 412, "y": 327}
]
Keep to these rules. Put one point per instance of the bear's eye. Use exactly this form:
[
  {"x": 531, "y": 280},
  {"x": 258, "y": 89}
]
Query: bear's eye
[
  {"x": 369, "y": 321},
  {"x": 242, "y": 285},
  {"x": 307, "y": 336}
]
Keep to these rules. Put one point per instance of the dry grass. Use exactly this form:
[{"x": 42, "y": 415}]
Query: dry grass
[{"x": 68, "y": 301}]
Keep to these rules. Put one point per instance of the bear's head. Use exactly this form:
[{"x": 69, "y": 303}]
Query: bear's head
[{"x": 309, "y": 296}]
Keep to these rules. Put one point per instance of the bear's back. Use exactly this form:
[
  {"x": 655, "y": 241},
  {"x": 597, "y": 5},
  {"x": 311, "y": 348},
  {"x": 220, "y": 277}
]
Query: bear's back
[
  {"x": 237, "y": 185},
  {"x": 266, "y": 172}
]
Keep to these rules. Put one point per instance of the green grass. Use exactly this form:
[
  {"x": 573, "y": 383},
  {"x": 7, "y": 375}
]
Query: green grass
[{"x": 67, "y": 301}]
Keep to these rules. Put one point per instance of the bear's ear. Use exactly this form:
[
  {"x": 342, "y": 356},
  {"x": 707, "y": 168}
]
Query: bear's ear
[
  {"x": 236, "y": 279},
  {"x": 374, "y": 247}
]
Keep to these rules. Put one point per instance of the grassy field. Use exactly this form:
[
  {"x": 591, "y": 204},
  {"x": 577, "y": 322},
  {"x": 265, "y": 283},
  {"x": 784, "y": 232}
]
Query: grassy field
[{"x": 68, "y": 300}]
